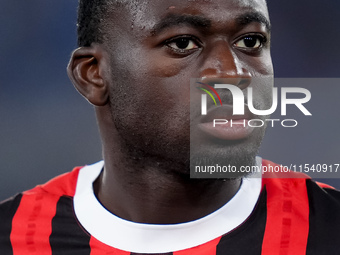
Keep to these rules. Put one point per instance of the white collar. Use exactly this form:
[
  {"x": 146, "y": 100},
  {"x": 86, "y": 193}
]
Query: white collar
[{"x": 157, "y": 238}]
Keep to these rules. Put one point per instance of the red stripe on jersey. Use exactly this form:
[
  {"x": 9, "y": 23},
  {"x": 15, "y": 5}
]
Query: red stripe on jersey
[
  {"x": 204, "y": 249},
  {"x": 99, "y": 248},
  {"x": 63, "y": 185},
  {"x": 31, "y": 225},
  {"x": 323, "y": 185},
  {"x": 287, "y": 216}
]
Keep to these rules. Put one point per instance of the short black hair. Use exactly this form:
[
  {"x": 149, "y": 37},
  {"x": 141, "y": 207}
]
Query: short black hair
[{"x": 90, "y": 16}]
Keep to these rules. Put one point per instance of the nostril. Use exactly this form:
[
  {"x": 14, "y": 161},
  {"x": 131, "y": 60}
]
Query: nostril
[{"x": 244, "y": 83}]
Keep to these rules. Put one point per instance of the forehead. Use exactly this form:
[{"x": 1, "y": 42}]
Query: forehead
[{"x": 147, "y": 13}]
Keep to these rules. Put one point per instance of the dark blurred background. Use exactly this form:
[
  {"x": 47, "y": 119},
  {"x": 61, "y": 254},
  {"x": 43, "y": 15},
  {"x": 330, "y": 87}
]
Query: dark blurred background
[{"x": 46, "y": 128}]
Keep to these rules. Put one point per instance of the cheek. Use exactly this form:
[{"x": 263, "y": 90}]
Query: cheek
[
  {"x": 166, "y": 68},
  {"x": 262, "y": 92},
  {"x": 265, "y": 65},
  {"x": 167, "y": 80},
  {"x": 257, "y": 66},
  {"x": 152, "y": 84},
  {"x": 151, "y": 104},
  {"x": 160, "y": 64},
  {"x": 165, "y": 96}
]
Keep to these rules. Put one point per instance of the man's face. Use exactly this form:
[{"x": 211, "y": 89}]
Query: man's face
[{"x": 156, "y": 47}]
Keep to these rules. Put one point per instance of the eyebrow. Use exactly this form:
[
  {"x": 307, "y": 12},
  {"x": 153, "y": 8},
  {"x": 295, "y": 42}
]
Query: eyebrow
[
  {"x": 250, "y": 17},
  {"x": 172, "y": 20}
]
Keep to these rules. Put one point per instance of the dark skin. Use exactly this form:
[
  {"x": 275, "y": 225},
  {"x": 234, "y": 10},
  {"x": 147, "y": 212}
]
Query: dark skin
[{"x": 138, "y": 80}]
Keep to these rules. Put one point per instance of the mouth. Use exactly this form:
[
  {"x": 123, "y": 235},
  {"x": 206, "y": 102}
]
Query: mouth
[{"x": 222, "y": 124}]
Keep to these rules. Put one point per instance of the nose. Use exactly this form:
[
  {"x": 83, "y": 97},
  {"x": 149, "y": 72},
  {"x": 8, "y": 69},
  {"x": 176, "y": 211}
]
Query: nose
[{"x": 222, "y": 65}]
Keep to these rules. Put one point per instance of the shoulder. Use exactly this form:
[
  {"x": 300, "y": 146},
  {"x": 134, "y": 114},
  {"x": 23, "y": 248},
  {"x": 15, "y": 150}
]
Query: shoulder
[
  {"x": 8, "y": 208},
  {"x": 32, "y": 211},
  {"x": 324, "y": 220},
  {"x": 276, "y": 174},
  {"x": 63, "y": 185},
  {"x": 324, "y": 201},
  {"x": 279, "y": 177},
  {"x": 312, "y": 209}
]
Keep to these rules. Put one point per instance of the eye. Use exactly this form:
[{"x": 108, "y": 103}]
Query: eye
[
  {"x": 251, "y": 42},
  {"x": 183, "y": 44}
]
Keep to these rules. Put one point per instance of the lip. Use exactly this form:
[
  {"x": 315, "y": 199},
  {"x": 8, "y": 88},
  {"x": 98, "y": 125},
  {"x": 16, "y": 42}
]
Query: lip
[
  {"x": 226, "y": 112},
  {"x": 233, "y": 127}
]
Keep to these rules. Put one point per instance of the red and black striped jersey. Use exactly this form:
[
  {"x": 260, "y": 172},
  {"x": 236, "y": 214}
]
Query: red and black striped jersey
[{"x": 266, "y": 216}]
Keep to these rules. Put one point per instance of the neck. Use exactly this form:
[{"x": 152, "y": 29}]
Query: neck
[
  {"x": 149, "y": 195},
  {"x": 140, "y": 190}
]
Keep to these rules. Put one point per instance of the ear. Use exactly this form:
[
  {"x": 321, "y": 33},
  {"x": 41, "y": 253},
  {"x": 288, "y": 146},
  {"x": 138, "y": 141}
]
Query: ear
[{"x": 87, "y": 70}]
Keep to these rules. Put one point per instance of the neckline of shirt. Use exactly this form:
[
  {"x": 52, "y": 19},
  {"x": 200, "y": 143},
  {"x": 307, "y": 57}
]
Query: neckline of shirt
[{"x": 158, "y": 238}]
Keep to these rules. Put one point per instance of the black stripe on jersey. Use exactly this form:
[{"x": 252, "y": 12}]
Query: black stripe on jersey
[
  {"x": 247, "y": 239},
  {"x": 324, "y": 220},
  {"x": 8, "y": 209},
  {"x": 68, "y": 237}
]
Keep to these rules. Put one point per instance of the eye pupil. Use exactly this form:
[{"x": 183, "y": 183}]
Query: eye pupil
[
  {"x": 182, "y": 43},
  {"x": 250, "y": 42}
]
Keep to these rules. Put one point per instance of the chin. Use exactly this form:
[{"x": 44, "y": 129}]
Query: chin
[{"x": 237, "y": 153}]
